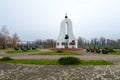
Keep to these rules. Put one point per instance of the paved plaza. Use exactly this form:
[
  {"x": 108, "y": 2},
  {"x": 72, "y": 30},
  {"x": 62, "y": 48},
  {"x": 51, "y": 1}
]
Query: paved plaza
[{"x": 59, "y": 72}]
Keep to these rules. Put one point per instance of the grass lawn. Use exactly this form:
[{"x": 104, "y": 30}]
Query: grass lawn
[
  {"x": 25, "y": 61},
  {"x": 95, "y": 62},
  {"x": 20, "y": 51},
  {"x": 115, "y": 53},
  {"x": 55, "y": 62},
  {"x": 37, "y": 52},
  {"x": 55, "y": 53}
]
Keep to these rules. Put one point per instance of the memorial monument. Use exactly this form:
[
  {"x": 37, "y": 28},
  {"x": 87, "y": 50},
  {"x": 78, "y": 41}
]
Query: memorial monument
[{"x": 66, "y": 38}]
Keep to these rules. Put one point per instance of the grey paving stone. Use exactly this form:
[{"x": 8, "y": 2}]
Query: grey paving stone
[{"x": 59, "y": 72}]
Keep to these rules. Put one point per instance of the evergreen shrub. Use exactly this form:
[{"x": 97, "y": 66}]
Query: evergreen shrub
[
  {"x": 68, "y": 61},
  {"x": 7, "y": 58},
  {"x": 59, "y": 51}
]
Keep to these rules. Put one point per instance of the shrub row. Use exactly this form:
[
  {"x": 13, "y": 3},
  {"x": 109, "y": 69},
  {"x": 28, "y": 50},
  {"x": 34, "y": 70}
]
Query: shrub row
[
  {"x": 25, "y": 48},
  {"x": 98, "y": 50}
]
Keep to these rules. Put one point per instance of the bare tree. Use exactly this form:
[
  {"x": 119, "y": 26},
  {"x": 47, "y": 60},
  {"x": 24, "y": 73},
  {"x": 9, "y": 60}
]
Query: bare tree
[
  {"x": 102, "y": 41},
  {"x": 118, "y": 43},
  {"x": 4, "y": 35},
  {"x": 81, "y": 42},
  {"x": 15, "y": 39},
  {"x": 48, "y": 43}
]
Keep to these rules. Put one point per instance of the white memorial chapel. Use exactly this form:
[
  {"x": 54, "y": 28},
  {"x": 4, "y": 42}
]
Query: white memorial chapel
[{"x": 66, "y": 38}]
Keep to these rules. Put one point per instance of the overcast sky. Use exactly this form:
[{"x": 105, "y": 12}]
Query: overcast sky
[{"x": 40, "y": 19}]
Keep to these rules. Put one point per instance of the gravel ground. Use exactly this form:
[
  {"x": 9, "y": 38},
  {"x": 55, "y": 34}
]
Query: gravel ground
[{"x": 59, "y": 72}]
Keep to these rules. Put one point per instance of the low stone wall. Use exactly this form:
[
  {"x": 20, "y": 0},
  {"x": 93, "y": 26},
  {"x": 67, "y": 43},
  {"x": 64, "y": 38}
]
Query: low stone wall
[{"x": 59, "y": 72}]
